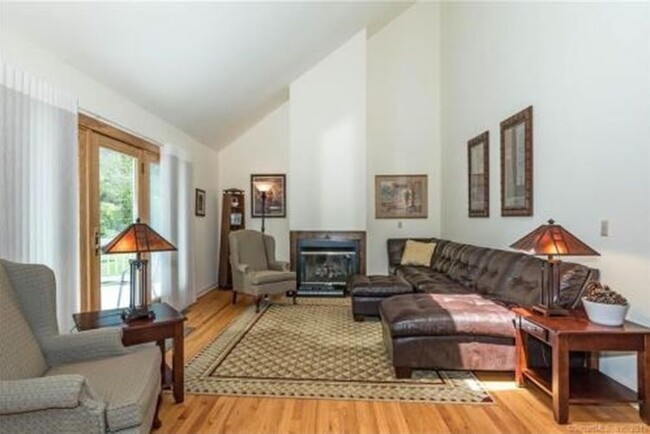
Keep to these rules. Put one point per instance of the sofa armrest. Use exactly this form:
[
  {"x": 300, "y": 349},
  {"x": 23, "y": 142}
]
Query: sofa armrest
[
  {"x": 279, "y": 266},
  {"x": 86, "y": 345},
  {"x": 34, "y": 394}
]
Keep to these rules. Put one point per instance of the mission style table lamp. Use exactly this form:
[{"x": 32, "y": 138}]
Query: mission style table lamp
[
  {"x": 138, "y": 238},
  {"x": 552, "y": 240}
]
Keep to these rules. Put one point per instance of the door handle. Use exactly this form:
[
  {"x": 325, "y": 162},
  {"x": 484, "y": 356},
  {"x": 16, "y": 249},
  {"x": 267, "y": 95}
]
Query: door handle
[{"x": 98, "y": 247}]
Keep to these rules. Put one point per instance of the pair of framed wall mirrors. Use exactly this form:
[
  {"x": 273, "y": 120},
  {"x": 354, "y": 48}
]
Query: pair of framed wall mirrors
[{"x": 516, "y": 168}]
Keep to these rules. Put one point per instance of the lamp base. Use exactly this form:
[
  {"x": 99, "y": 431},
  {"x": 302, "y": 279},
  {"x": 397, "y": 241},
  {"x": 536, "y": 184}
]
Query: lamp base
[
  {"x": 550, "y": 310},
  {"x": 137, "y": 313}
]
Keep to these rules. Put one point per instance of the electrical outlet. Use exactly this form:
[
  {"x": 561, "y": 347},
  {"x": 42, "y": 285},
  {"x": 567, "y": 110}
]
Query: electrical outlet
[
  {"x": 604, "y": 228},
  {"x": 399, "y": 225}
]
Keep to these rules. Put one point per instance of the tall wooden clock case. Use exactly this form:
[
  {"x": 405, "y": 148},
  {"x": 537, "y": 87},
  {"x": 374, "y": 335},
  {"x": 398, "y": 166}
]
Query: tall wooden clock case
[{"x": 232, "y": 219}]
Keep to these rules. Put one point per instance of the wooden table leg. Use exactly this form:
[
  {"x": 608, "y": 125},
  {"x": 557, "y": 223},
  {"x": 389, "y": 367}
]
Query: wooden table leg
[
  {"x": 178, "y": 361},
  {"x": 643, "y": 370},
  {"x": 520, "y": 348},
  {"x": 593, "y": 360},
  {"x": 561, "y": 380},
  {"x": 161, "y": 345}
]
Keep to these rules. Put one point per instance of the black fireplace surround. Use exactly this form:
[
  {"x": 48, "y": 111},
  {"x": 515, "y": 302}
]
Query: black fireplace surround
[{"x": 324, "y": 265}]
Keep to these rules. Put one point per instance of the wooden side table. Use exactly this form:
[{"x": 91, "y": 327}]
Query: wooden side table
[
  {"x": 583, "y": 385},
  {"x": 168, "y": 324}
]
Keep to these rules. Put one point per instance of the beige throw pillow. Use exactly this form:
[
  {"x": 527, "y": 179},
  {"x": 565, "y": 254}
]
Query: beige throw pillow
[{"x": 417, "y": 253}]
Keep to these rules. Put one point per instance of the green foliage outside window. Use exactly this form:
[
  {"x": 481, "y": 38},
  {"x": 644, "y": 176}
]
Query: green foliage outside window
[{"x": 116, "y": 192}]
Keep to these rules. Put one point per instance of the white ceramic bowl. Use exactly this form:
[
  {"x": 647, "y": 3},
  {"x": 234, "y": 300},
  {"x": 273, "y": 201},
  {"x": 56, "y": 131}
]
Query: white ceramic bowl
[{"x": 605, "y": 314}]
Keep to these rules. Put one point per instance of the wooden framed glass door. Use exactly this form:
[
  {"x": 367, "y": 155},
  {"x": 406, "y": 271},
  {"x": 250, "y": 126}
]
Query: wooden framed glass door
[{"x": 115, "y": 183}]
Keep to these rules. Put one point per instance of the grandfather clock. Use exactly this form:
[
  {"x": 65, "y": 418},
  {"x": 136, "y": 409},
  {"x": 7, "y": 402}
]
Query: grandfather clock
[{"x": 232, "y": 219}]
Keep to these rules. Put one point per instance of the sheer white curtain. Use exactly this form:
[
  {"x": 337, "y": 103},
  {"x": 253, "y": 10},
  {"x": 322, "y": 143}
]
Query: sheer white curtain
[
  {"x": 39, "y": 182},
  {"x": 173, "y": 273}
]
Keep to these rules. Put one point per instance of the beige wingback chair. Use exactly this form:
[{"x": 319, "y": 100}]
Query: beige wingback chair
[
  {"x": 254, "y": 268},
  {"x": 85, "y": 382}
]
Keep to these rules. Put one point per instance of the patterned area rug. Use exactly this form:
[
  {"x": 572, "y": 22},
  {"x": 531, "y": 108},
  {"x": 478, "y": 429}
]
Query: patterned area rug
[{"x": 315, "y": 350}]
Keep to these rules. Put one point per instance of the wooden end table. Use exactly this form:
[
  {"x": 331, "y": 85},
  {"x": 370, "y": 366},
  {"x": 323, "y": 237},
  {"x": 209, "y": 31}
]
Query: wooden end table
[
  {"x": 168, "y": 324},
  {"x": 581, "y": 385}
]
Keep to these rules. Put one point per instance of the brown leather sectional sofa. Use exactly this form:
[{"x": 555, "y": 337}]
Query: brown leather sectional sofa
[{"x": 458, "y": 315}]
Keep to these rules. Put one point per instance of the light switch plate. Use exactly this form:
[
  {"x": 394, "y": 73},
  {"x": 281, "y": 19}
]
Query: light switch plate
[{"x": 399, "y": 225}]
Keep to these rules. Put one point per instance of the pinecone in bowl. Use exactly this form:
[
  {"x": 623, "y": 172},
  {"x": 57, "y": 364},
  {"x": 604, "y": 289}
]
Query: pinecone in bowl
[{"x": 598, "y": 293}]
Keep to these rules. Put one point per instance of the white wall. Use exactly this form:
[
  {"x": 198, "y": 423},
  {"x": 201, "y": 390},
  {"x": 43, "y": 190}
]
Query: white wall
[
  {"x": 327, "y": 153},
  {"x": 264, "y": 148},
  {"x": 404, "y": 120},
  {"x": 99, "y": 99},
  {"x": 402, "y": 130},
  {"x": 585, "y": 69}
]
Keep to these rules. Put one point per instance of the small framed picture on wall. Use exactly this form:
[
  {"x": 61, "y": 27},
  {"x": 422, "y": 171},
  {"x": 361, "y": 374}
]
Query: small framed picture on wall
[
  {"x": 268, "y": 195},
  {"x": 517, "y": 164},
  {"x": 401, "y": 197},
  {"x": 199, "y": 203},
  {"x": 478, "y": 169}
]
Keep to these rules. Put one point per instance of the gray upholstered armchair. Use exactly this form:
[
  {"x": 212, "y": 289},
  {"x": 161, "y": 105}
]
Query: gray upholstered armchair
[
  {"x": 254, "y": 268},
  {"x": 86, "y": 382}
]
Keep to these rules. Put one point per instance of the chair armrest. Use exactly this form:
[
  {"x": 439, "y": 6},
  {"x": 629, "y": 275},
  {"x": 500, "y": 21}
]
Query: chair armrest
[
  {"x": 86, "y": 345},
  {"x": 34, "y": 394},
  {"x": 279, "y": 266}
]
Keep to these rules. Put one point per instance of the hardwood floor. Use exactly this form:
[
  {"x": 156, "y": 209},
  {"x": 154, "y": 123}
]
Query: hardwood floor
[{"x": 515, "y": 410}]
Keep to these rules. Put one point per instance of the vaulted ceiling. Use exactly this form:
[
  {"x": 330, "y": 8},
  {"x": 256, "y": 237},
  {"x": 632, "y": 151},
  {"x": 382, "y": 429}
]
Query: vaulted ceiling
[{"x": 211, "y": 69}]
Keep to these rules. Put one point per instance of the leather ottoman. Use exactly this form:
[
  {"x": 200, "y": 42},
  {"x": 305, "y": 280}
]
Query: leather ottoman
[
  {"x": 368, "y": 291},
  {"x": 447, "y": 331}
]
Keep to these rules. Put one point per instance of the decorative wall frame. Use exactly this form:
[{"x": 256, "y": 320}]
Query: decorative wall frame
[
  {"x": 276, "y": 198},
  {"x": 199, "y": 202},
  {"x": 401, "y": 196},
  {"x": 517, "y": 164},
  {"x": 478, "y": 175}
]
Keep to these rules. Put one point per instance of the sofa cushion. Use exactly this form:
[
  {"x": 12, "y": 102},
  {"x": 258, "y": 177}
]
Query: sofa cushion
[
  {"x": 262, "y": 277},
  {"x": 378, "y": 286},
  {"x": 446, "y": 256},
  {"x": 418, "y": 275},
  {"x": 408, "y": 272},
  {"x": 129, "y": 384},
  {"x": 495, "y": 271},
  {"x": 521, "y": 284},
  {"x": 417, "y": 253},
  {"x": 424, "y": 279},
  {"x": 443, "y": 288},
  {"x": 20, "y": 355},
  {"x": 446, "y": 315},
  {"x": 396, "y": 249},
  {"x": 471, "y": 262}
]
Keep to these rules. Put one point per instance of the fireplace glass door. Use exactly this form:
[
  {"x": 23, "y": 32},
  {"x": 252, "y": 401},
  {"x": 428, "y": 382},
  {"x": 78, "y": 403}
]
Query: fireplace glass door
[{"x": 326, "y": 268}]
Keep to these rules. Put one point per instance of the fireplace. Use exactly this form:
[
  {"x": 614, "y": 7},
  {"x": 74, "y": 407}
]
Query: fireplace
[{"x": 323, "y": 261}]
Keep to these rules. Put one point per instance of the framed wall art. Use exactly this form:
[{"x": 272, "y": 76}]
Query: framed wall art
[
  {"x": 517, "y": 164},
  {"x": 199, "y": 202},
  {"x": 478, "y": 171},
  {"x": 401, "y": 196},
  {"x": 275, "y": 203}
]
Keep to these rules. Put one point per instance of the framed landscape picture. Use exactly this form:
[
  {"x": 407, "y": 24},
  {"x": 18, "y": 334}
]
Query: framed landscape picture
[
  {"x": 517, "y": 164},
  {"x": 401, "y": 196},
  {"x": 478, "y": 170},
  {"x": 276, "y": 196}
]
